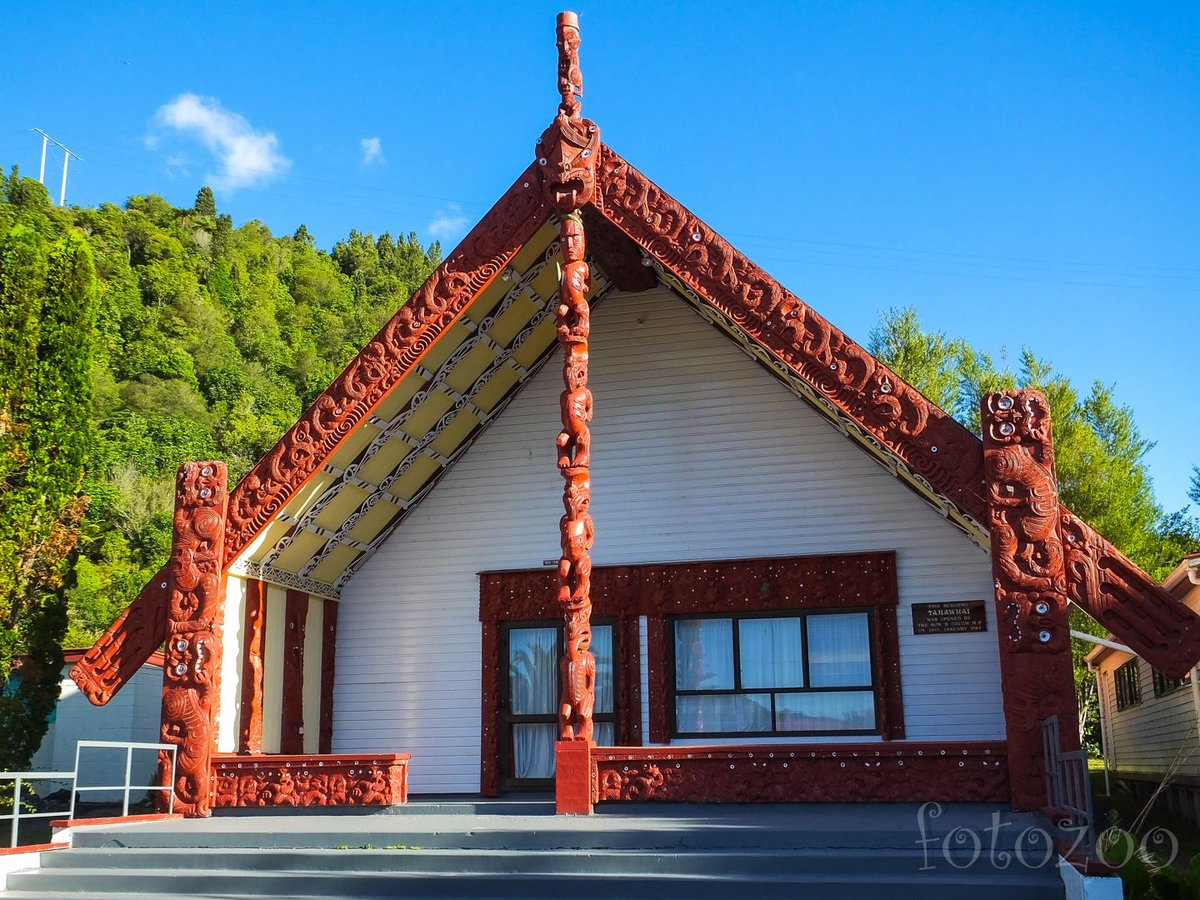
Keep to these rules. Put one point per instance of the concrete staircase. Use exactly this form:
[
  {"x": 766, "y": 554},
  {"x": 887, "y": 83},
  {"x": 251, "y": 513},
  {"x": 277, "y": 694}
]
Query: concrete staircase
[{"x": 519, "y": 849}]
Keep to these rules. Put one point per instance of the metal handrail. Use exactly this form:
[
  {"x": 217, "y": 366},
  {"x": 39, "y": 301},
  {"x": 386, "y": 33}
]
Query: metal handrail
[
  {"x": 19, "y": 778},
  {"x": 129, "y": 747}
]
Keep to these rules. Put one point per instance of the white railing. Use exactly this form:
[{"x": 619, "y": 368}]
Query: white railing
[{"x": 18, "y": 779}]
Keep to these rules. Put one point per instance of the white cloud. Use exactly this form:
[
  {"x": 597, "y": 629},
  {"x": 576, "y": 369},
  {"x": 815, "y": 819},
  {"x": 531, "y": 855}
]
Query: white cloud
[
  {"x": 448, "y": 223},
  {"x": 372, "y": 151},
  {"x": 246, "y": 157}
]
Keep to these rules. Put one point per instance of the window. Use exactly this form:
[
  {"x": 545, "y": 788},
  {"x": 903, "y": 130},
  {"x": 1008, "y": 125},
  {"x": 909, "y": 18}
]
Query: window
[
  {"x": 788, "y": 674},
  {"x": 1164, "y": 685},
  {"x": 1129, "y": 686}
]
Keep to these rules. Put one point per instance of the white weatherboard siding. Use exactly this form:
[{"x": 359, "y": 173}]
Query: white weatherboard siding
[
  {"x": 1144, "y": 739},
  {"x": 698, "y": 454}
]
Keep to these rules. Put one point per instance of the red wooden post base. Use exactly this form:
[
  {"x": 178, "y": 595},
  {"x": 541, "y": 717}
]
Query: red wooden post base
[{"x": 573, "y": 778}]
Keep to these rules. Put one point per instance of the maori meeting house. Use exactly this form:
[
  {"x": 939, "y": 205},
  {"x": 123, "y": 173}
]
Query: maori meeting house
[{"x": 758, "y": 566}]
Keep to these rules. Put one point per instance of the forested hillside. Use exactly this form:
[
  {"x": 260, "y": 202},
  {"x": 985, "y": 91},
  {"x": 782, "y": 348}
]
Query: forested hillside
[{"x": 210, "y": 341}]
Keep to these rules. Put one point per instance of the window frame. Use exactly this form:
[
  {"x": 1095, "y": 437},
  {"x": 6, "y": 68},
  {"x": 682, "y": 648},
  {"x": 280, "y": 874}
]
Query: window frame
[
  {"x": 1127, "y": 685},
  {"x": 1164, "y": 685},
  {"x": 874, "y": 687}
]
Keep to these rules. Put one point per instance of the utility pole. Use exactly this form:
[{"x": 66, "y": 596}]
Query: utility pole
[{"x": 67, "y": 154}]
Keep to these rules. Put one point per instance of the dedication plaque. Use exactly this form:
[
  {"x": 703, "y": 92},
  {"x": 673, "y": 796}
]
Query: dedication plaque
[{"x": 958, "y": 617}]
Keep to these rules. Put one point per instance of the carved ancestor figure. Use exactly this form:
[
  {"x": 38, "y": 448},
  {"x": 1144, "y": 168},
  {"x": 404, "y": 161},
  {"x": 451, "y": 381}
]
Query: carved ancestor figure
[
  {"x": 575, "y": 440},
  {"x": 574, "y": 317},
  {"x": 578, "y": 668}
]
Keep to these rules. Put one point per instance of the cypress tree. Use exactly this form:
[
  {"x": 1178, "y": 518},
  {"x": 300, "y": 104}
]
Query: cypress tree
[{"x": 47, "y": 326}]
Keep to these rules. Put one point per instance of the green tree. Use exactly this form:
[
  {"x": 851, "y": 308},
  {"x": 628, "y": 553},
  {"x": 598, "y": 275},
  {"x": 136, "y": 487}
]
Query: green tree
[
  {"x": 206, "y": 205},
  {"x": 47, "y": 322}
]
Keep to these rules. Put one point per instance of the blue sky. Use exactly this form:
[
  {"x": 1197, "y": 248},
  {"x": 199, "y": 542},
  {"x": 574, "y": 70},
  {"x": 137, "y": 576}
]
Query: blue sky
[{"x": 1022, "y": 174}]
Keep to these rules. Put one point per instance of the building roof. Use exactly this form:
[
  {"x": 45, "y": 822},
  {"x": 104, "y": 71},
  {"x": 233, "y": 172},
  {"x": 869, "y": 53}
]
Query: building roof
[{"x": 314, "y": 509}]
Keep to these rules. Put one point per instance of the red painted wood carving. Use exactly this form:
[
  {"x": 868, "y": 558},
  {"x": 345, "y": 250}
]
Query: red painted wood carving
[
  {"x": 127, "y": 644},
  {"x": 328, "y": 657},
  {"x": 790, "y": 773},
  {"x": 1030, "y": 578},
  {"x": 574, "y": 457},
  {"x": 196, "y": 599},
  {"x": 1116, "y": 593},
  {"x": 567, "y": 152},
  {"x": 310, "y": 780},
  {"x": 295, "y": 621},
  {"x": 253, "y": 636}
]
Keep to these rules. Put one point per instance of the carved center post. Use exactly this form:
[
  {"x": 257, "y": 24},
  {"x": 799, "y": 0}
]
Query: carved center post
[
  {"x": 567, "y": 153},
  {"x": 195, "y": 586}
]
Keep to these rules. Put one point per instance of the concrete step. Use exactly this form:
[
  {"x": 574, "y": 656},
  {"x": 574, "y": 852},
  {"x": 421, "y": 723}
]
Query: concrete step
[
  {"x": 417, "y": 860},
  {"x": 236, "y": 883}
]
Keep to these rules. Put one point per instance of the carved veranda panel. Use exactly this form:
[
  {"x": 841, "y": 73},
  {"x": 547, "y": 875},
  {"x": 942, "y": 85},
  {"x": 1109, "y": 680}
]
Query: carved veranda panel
[
  {"x": 310, "y": 780},
  {"x": 254, "y": 635},
  {"x": 830, "y": 773},
  {"x": 328, "y": 658}
]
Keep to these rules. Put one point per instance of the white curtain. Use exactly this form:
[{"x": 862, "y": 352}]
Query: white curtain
[
  {"x": 703, "y": 654},
  {"x": 723, "y": 713},
  {"x": 533, "y": 750},
  {"x": 839, "y": 650},
  {"x": 602, "y": 650},
  {"x": 533, "y": 670},
  {"x": 771, "y": 655},
  {"x": 825, "y": 711}
]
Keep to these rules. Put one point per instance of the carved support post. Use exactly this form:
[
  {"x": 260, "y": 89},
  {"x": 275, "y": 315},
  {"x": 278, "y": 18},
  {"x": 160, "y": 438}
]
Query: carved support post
[
  {"x": 195, "y": 622},
  {"x": 567, "y": 152},
  {"x": 1030, "y": 583}
]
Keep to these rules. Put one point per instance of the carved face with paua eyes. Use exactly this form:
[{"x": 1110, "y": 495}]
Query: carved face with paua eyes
[{"x": 567, "y": 153}]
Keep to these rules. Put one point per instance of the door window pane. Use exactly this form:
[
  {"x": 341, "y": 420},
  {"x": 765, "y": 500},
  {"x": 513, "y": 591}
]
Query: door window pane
[
  {"x": 533, "y": 670},
  {"x": 602, "y": 650},
  {"x": 770, "y": 653},
  {"x": 703, "y": 654},
  {"x": 839, "y": 650},
  {"x": 723, "y": 713},
  {"x": 533, "y": 750}
]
